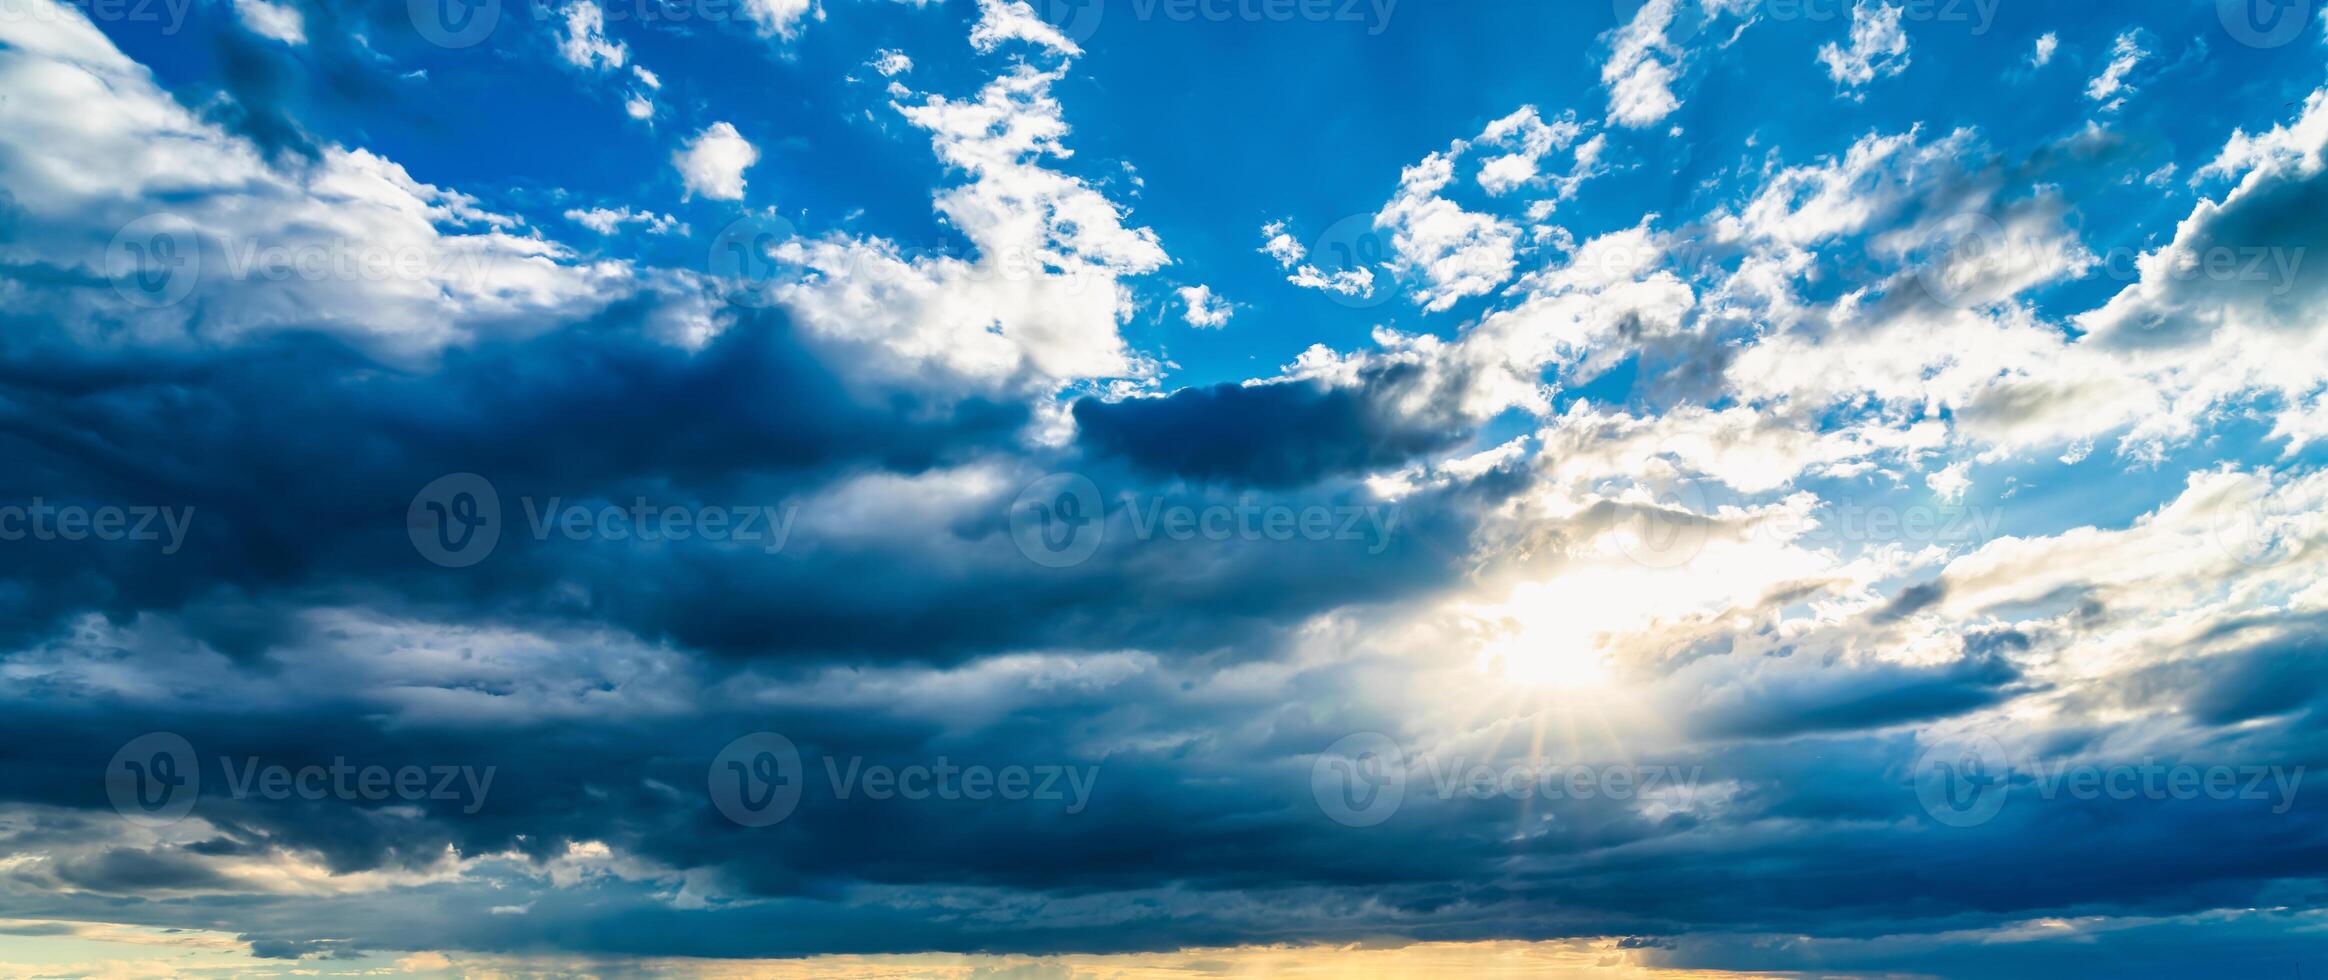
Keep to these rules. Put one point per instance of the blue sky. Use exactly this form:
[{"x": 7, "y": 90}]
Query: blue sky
[{"x": 1148, "y": 487}]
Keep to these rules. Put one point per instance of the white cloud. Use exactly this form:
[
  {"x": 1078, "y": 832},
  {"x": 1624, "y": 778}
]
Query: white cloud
[
  {"x": 2109, "y": 87},
  {"x": 583, "y": 43},
  {"x": 2231, "y": 305},
  {"x": 890, "y": 63},
  {"x": 607, "y": 221},
  {"x": 2047, "y": 43},
  {"x": 1280, "y": 245},
  {"x": 1879, "y": 47},
  {"x": 782, "y": 18},
  {"x": 1039, "y": 300},
  {"x": 1804, "y": 205},
  {"x": 1204, "y": 309},
  {"x": 1639, "y": 72},
  {"x": 1952, "y": 482},
  {"x": 1529, "y": 138},
  {"x": 92, "y": 148},
  {"x": 713, "y": 163},
  {"x": 1000, "y": 21},
  {"x": 1647, "y": 54},
  {"x": 1454, "y": 253},
  {"x": 281, "y": 22}
]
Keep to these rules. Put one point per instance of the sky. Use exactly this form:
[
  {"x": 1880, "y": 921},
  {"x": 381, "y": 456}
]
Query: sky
[{"x": 1121, "y": 488}]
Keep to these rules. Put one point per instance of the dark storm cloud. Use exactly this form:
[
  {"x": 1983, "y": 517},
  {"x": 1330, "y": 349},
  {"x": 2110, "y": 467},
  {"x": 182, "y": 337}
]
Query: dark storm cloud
[
  {"x": 1790, "y": 697},
  {"x": 260, "y": 81},
  {"x": 1204, "y": 844},
  {"x": 2272, "y": 670},
  {"x": 1273, "y": 435},
  {"x": 299, "y": 456}
]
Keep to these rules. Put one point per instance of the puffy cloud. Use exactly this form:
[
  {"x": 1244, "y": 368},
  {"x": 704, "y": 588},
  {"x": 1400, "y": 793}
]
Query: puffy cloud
[
  {"x": 1653, "y": 509},
  {"x": 1648, "y": 54},
  {"x": 890, "y": 63},
  {"x": 1002, "y": 21},
  {"x": 208, "y": 241},
  {"x": 713, "y": 162},
  {"x": 1878, "y": 49},
  {"x": 1203, "y": 308},
  {"x": 582, "y": 40},
  {"x": 1529, "y": 138},
  {"x": 1040, "y": 298},
  {"x": 1291, "y": 255},
  {"x": 280, "y": 22},
  {"x": 782, "y": 18},
  {"x": 1454, "y": 253},
  {"x": 1640, "y": 70}
]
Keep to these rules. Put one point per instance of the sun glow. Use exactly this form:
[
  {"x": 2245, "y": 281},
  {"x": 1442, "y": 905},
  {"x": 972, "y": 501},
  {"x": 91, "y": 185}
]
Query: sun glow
[
  {"x": 1559, "y": 664},
  {"x": 1551, "y": 636}
]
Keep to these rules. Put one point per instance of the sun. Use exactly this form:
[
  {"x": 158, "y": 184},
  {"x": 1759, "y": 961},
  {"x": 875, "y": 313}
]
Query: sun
[
  {"x": 1549, "y": 638},
  {"x": 1561, "y": 663}
]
